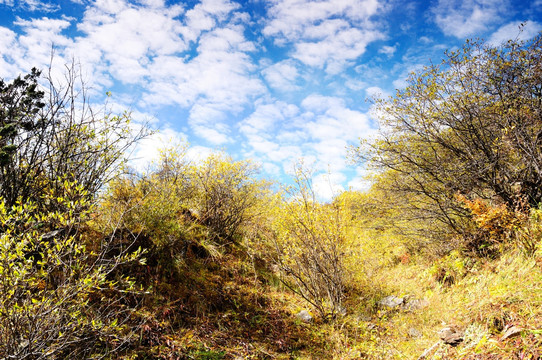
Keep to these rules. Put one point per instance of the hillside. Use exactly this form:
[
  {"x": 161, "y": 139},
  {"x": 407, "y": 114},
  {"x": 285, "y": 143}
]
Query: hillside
[{"x": 440, "y": 259}]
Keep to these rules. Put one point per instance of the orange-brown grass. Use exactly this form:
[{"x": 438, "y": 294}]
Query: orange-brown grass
[{"x": 223, "y": 308}]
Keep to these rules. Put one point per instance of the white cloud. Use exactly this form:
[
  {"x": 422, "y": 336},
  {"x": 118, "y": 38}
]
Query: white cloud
[
  {"x": 388, "y": 50},
  {"x": 330, "y": 154},
  {"x": 7, "y": 41},
  {"x": 374, "y": 92},
  {"x": 220, "y": 79},
  {"x": 32, "y": 5},
  {"x": 214, "y": 136},
  {"x": 126, "y": 36},
  {"x": 271, "y": 169},
  {"x": 152, "y": 3},
  {"x": 333, "y": 119},
  {"x": 326, "y": 186},
  {"x": 33, "y": 46},
  {"x": 264, "y": 130},
  {"x": 205, "y": 15},
  {"x": 335, "y": 50},
  {"x": 265, "y": 117},
  {"x": 282, "y": 75},
  {"x": 332, "y": 127},
  {"x": 40, "y": 5},
  {"x": 285, "y": 154},
  {"x": 293, "y": 18},
  {"x": 425, "y": 40},
  {"x": 407, "y": 69},
  {"x": 463, "y": 18},
  {"x": 148, "y": 149},
  {"x": 325, "y": 34},
  {"x": 354, "y": 84},
  {"x": 512, "y": 31},
  {"x": 360, "y": 182},
  {"x": 322, "y": 127},
  {"x": 208, "y": 122},
  {"x": 198, "y": 59},
  {"x": 262, "y": 145},
  {"x": 198, "y": 153},
  {"x": 319, "y": 131}
]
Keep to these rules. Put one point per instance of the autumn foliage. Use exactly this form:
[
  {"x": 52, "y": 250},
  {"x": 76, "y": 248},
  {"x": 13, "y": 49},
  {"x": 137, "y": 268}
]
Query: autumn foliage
[{"x": 205, "y": 259}]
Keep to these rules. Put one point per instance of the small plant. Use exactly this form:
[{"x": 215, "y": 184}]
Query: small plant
[
  {"x": 207, "y": 355},
  {"x": 494, "y": 225},
  {"x": 498, "y": 226},
  {"x": 449, "y": 269},
  {"x": 528, "y": 236}
]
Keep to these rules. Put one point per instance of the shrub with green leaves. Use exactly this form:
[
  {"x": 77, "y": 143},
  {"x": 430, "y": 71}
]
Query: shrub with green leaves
[
  {"x": 58, "y": 299},
  {"x": 154, "y": 208},
  {"x": 51, "y": 133}
]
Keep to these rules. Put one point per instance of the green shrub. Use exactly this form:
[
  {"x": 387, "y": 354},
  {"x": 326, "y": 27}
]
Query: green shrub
[
  {"x": 54, "y": 134},
  {"x": 58, "y": 299}
]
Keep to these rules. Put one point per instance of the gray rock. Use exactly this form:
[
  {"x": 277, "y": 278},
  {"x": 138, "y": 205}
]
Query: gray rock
[
  {"x": 391, "y": 301},
  {"x": 304, "y": 316},
  {"x": 414, "y": 333},
  {"x": 451, "y": 335},
  {"x": 415, "y": 304}
]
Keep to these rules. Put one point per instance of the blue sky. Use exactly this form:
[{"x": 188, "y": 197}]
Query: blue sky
[{"x": 269, "y": 80}]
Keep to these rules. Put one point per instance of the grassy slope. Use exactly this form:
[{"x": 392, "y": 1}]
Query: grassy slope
[
  {"x": 230, "y": 308},
  {"x": 486, "y": 300}
]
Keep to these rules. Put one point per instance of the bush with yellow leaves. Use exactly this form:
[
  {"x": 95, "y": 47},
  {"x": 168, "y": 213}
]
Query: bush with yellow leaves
[
  {"x": 182, "y": 209},
  {"x": 310, "y": 247}
]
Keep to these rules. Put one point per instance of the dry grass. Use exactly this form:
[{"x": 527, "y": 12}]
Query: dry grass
[{"x": 485, "y": 298}]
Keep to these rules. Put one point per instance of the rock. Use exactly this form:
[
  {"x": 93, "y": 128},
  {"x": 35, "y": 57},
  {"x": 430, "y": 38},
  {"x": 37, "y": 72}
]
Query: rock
[
  {"x": 511, "y": 332},
  {"x": 451, "y": 335},
  {"x": 415, "y": 304},
  {"x": 414, "y": 333},
  {"x": 304, "y": 316},
  {"x": 391, "y": 301}
]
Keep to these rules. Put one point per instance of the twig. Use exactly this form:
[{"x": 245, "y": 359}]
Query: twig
[{"x": 428, "y": 351}]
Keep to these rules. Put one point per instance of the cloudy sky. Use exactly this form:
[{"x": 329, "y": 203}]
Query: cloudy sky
[{"x": 269, "y": 80}]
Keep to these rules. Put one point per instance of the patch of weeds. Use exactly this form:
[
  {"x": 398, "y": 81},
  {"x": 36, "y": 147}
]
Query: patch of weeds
[{"x": 206, "y": 354}]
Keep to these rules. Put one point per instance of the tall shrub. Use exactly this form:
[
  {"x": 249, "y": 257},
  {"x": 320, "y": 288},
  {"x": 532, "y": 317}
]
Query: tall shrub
[{"x": 310, "y": 244}]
